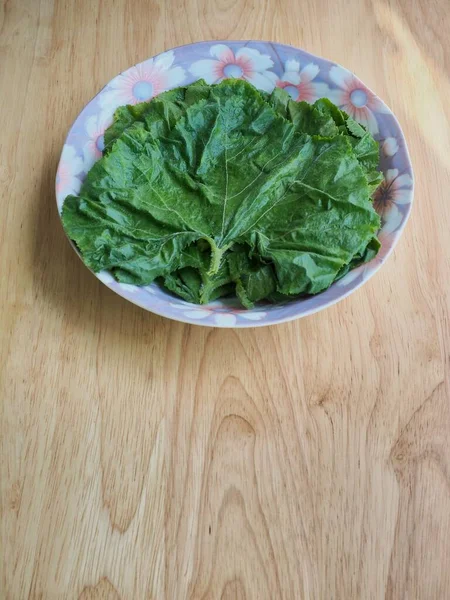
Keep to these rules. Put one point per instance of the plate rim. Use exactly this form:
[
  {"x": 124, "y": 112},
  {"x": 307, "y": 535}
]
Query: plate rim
[{"x": 267, "y": 320}]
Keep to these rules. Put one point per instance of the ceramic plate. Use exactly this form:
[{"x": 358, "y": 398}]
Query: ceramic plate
[{"x": 265, "y": 65}]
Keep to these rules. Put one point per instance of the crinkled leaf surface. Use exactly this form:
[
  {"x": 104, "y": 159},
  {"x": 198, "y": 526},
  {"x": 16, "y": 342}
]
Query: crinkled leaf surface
[{"x": 220, "y": 189}]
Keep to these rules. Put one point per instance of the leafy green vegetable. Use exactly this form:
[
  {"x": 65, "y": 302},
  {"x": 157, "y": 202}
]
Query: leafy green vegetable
[
  {"x": 215, "y": 190},
  {"x": 160, "y": 115}
]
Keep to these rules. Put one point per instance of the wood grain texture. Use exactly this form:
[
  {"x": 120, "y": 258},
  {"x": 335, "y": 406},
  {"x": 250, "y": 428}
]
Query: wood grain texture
[{"x": 145, "y": 459}]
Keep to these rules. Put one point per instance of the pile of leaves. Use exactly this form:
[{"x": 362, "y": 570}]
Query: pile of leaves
[{"x": 223, "y": 189}]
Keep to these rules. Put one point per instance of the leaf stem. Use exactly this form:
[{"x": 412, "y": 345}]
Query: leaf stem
[{"x": 216, "y": 256}]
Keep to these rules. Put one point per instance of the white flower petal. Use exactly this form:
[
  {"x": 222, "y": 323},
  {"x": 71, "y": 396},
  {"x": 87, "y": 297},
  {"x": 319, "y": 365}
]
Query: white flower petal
[
  {"x": 291, "y": 77},
  {"x": 68, "y": 153},
  {"x": 73, "y": 186},
  {"x": 392, "y": 220},
  {"x": 67, "y": 180},
  {"x": 402, "y": 196},
  {"x": 309, "y": 72},
  {"x": 403, "y": 180},
  {"x": 175, "y": 77},
  {"x": 216, "y": 305},
  {"x": 73, "y": 164},
  {"x": 105, "y": 277},
  {"x": 128, "y": 287},
  {"x": 91, "y": 125},
  {"x": 390, "y": 175},
  {"x": 105, "y": 119},
  {"x": 368, "y": 119},
  {"x": 164, "y": 60},
  {"x": 292, "y": 65},
  {"x": 196, "y": 314},
  {"x": 253, "y": 316},
  {"x": 225, "y": 320},
  {"x": 205, "y": 69},
  {"x": 271, "y": 76},
  {"x": 222, "y": 52},
  {"x": 120, "y": 80},
  {"x": 390, "y": 146},
  {"x": 260, "y": 62},
  {"x": 77, "y": 165},
  {"x": 111, "y": 99},
  {"x": 89, "y": 155},
  {"x": 321, "y": 90},
  {"x": 261, "y": 82},
  {"x": 181, "y": 304},
  {"x": 341, "y": 77},
  {"x": 339, "y": 97},
  {"x": 386, "y": 244}
]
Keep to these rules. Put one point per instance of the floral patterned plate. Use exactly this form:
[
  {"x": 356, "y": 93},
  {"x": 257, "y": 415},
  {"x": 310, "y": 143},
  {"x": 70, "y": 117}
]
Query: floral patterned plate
[{"x": 265, "y": 65}]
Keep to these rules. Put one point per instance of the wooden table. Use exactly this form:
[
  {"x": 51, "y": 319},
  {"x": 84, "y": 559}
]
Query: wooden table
[{"x": 142, "y": 458}]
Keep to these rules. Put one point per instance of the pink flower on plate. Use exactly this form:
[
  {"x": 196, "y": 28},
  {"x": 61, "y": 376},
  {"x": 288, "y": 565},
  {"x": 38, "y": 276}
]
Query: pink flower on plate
[
  {"x": 142, "y": 82},
  {"x": 216, "y": 312},
  {"x": 197, "y": 312},
  {"x": 247, "y": 63},
  {"x": 300, "y": 84},
  {"x": 353, "y": 96},
  {"x": 67, "y": 177},
  {"x": 393, "y": 192},
  {"x": 95, "y": 127}
]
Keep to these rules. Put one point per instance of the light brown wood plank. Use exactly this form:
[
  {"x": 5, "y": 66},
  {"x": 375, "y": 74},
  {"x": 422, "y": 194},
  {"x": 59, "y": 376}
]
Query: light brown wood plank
[{"x": 145, "y": 459}]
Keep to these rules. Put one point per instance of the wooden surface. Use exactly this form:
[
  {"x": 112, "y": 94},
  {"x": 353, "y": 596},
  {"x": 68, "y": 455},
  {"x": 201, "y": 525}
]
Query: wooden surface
[{"x": 141, "y": 458}]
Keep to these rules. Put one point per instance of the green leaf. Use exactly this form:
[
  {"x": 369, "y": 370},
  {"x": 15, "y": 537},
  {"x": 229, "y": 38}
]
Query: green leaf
[
  {"x": 254, "y": 280},
  {"x": 325, "y": 119},
  {"x": 321, "y": 118},
  {"x": 324, "y": 220},
  {"x": 355, "y": 128},
  {"x": 159, "y": 115},
  {"x": 221, "y": 189}
]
